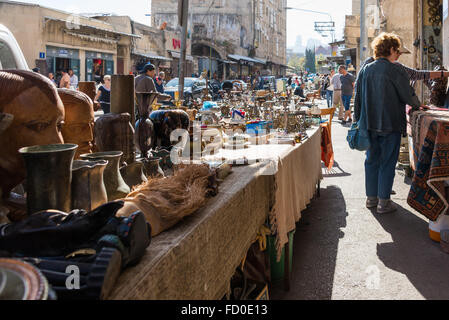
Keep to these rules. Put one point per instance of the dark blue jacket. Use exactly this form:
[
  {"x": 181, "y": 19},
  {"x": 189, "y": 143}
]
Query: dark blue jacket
[
  {"x": 299, "y": 92},
  {"x": 382, "y": 91},
  {"x": 159, "y": 88}
]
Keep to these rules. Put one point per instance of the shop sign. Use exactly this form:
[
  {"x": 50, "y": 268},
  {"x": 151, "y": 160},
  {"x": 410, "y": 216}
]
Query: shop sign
[
  {"x": 176, "y": 44},
  {"x": 59, "y": 53},
  {"x": 99, "y": 55},
  {"x": 63, "y": 53}
]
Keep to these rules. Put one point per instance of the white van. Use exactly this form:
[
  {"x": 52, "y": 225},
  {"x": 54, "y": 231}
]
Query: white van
[{"x": 11, "y": 56}]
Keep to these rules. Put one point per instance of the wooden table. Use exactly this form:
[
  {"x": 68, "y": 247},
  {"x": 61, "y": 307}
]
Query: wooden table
[{"x": 197, "y": 258}]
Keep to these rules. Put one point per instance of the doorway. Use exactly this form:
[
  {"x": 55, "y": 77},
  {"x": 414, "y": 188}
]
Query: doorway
[
  {"x": 96, "y": 69},
  {"x": 56, "y": 65}
]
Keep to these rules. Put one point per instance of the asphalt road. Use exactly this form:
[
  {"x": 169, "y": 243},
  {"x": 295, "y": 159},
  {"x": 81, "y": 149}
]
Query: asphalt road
[{"x": 342, "y": 250}]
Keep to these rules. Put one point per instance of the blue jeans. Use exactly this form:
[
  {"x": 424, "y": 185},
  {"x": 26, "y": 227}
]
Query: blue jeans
[
  {"x": 329, "y": 95},
  {"x": 380, "y": 164},
  {"x": 346, "y": 101}
]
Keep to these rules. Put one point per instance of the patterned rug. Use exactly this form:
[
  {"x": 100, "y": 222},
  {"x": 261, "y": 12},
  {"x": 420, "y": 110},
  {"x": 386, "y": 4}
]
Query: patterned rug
[
  {"x": 418, "y": 124},
  {"x": 427, "y": 193}
]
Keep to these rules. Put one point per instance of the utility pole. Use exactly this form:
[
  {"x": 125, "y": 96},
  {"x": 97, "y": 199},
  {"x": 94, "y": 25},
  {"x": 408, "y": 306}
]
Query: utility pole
[
  {"x": 183, "y": 17},
  {"x": 363, "y": 33}
]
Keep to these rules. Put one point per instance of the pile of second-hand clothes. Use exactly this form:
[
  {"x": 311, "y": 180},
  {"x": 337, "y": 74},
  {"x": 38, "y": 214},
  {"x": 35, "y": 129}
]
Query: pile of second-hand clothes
[{"x": 98, "y": 244}]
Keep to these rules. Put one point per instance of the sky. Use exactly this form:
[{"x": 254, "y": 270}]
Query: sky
[
  {"x": 298, "y": 22},
  {"x": 303, "y": 23}
]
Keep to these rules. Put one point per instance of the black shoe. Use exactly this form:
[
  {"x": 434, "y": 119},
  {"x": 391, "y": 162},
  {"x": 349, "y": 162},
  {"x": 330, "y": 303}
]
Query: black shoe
[
  {"x": 350, "y": 120},
  {"x": 343, "y": 122}
]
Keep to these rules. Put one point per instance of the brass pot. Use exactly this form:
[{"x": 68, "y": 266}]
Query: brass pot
[
  {"x": 133, "y": 174},
  {"x": 116, "y": 187},
  {"x": 88, "y": 188},
  {"x": 49, "y": 176},
  {"x": 152, "y": 167}
]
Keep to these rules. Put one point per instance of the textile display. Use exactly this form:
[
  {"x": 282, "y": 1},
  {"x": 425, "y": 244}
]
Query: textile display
[
  {"x": 299, "y": 172},
  {"x": 417, "y": 125},
  {"x": 427, "y": 193}
]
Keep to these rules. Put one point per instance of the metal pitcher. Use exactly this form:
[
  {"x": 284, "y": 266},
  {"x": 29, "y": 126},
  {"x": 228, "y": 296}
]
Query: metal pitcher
[{"x": 88, "y": 188}]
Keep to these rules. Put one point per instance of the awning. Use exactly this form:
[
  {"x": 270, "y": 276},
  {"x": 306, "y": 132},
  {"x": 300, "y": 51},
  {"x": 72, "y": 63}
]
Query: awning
[
  {"x": 348, "y": 51},
  {"x": 248, "y": 59},
  {"x": 262, "y": 61},
  {"x": 227, "y": 61},
  {"x": 151, "y": 56},
  {"x": 73, "y": 24},
  {"x": 278, "y": 64},
  {"x": 177, "y": 55},
  {"x": 216, "y": 59}
]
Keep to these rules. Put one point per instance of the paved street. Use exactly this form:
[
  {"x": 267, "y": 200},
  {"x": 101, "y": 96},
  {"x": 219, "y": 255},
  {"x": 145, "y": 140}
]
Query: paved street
[{"x": 340, "y": 245}]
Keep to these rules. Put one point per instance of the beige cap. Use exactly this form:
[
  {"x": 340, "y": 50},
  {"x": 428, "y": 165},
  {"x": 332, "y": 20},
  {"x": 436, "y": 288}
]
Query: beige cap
[{"x": 403, "y": 49}]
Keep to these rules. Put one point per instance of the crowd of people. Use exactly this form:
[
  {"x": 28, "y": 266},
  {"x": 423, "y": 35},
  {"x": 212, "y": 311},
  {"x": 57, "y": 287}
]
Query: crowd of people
[{"x": 336, "y": 88}]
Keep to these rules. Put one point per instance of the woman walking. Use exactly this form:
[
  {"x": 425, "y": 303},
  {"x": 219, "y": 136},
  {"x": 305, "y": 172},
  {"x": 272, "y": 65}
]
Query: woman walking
[
  {"x": 104, "y": 95},
  {"x": 382, "y": 91}
]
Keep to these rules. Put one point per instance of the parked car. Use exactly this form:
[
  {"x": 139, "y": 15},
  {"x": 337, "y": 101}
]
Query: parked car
[
  {"x": 193, "y": 88},
  {"x": 269, "y": 83},
  {"x": 11, "y": 56}
]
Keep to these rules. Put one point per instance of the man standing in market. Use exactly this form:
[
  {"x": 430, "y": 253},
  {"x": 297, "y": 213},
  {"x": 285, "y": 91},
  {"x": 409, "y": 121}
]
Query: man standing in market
[
  {"x": 73, "y": 79},
  {"x": 336, "y": 99},
  {"x": 347, "y": 90},
  {"x": 65, "y": 80},
  {"x": 144, "y": 84},
  {"x": 159, "y": 82},
  {"x": 299, "y": 91}
]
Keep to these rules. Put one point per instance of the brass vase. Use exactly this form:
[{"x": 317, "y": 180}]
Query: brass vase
[
  {"x": 49, "y": 176},
  {"x": 152, "y": 167},
  {"x": 88, "y": 189},
  {"x": 116, "y": 187},
  {"x": 133, "y": 174}
]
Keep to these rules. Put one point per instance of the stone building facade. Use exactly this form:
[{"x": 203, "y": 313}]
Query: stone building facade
[
  {"x": 415, "y": 21},
  {"x": 232, "y": 37},
  {"x": 91, "y": 45},
  {"x": 55, "y": 40},
  {"x": 160, "y": 47}
]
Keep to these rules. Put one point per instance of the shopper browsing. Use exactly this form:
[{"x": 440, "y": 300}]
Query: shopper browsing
[{"x": 382, "y": 92}]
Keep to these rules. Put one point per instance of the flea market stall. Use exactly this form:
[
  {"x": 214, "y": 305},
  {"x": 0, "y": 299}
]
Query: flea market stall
[
  {"x": 197, "y": 258},
  {"x": 169, "y": 202},
  {"x": 428, "y": 131}
]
